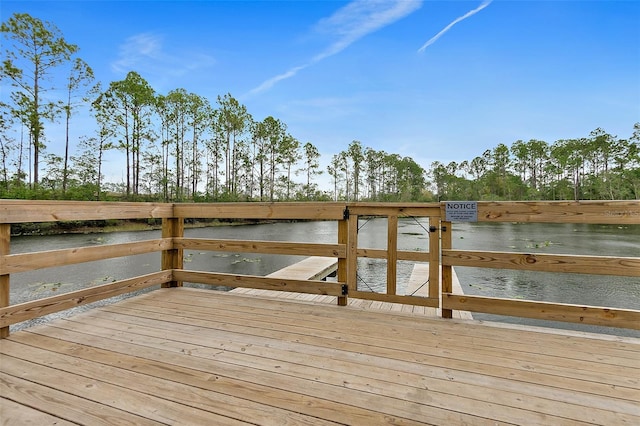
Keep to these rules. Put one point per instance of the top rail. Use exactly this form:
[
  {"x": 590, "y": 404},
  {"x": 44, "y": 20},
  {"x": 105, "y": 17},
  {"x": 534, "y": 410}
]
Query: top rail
[
  {"x": 264, "y": 211},
  {"x": 21, "y": 211},
  {"x": 604, "y": 212},
  {"x": 597, "y": 212}
]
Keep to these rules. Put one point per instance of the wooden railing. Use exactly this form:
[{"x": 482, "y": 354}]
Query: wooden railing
[
  {"x": 346, "y": 250},
  {"x": 585, "y": 212}
]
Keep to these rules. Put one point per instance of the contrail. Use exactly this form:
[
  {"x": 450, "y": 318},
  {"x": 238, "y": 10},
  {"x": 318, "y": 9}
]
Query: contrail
[
  {"x": 350, "y": 23},
  {"x": 272, "y": 81},
  {"x": 448, "y": 27}
]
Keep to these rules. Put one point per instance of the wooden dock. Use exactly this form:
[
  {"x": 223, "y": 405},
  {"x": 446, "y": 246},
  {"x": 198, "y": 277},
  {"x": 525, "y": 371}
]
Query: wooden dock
[
  {"x": 318, "y": 267},
  {"x": 195, "y": 357},
  {"x": 310, "y": 268}
]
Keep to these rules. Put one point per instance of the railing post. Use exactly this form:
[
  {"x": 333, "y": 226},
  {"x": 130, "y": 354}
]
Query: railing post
[
  {"x": 5, "y": 246},
  {"x": 172, "y": 227},
  {"x": 447, "y": 275},
  {"x": 434, "y": 258},
  {"x": 392, "y": 253}
]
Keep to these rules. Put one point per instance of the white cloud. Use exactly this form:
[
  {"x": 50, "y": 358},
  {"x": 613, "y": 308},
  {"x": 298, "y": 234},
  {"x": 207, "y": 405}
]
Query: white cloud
[
  {"x": 350, "y": 23},
  {"x": 146, "y": 54},
  {"x": 137, "y": 50},
  {"x": 360, "y": 18},
  {"x": 448, "y": 27}
]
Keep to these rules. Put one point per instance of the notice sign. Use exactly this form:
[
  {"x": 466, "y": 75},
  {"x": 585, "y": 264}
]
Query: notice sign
[{"x": 461, "y": 211}]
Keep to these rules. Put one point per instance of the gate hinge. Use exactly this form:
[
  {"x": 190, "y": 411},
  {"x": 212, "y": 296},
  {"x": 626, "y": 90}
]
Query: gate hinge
[
  {"x": 345, "y": 213},
  {"x": 345, "y": 289}
]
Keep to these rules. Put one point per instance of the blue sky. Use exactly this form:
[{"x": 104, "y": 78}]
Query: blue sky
[{"x": 433, "y": 80}]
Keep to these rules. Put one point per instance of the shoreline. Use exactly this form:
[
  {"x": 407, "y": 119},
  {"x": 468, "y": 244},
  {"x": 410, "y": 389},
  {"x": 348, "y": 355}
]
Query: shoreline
[{"x": 104, "y": 227}]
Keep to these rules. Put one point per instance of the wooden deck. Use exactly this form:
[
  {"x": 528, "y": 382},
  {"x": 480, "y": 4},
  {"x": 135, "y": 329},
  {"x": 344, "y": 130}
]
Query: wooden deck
[{"x": 201, "y": 357}]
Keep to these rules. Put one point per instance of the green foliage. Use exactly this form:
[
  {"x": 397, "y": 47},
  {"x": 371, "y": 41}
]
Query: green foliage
[
  {"x": 600, "y": 166},
  {"x": 178, "y": 147},
  {"x": 33, "y": 49}
]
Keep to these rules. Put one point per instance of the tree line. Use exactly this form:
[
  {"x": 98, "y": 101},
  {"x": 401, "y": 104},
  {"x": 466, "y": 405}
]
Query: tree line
[
  {"x": 600, "y": 166},
  {"x": 175, "y": 146},
  {"x": 179, "y": 146}
]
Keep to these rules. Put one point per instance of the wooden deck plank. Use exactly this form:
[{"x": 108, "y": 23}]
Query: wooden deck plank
[
  {"x": 64, "y": 405},
  {"x": 221, "y": 316},
  {"x": 254, "y": 350},
  {"x": 253, "y": 339},
  {"x": 310, "y": 386},
  {"x": 554, "y": 345},
  {"x": 197, "y": 374},
  {"x": 101, "y": 391},
  {"x": 311, "y": 268},
  {"x": 350, "y": 408},
  {"x": 12, "y": 413},
  {"x": 418, "y": 285},
  {"x": 495, "y": 361},
  {"x": 168, "y": 387},
  {"x": 235, "y": 357},
  {"x": 482, "y": 330}
]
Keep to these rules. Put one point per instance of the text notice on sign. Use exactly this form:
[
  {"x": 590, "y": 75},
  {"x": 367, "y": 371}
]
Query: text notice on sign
[{"x": 461, "y": 211}]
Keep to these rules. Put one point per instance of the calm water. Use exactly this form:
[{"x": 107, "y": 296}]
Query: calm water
[{"x": 619, "y": 292}]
